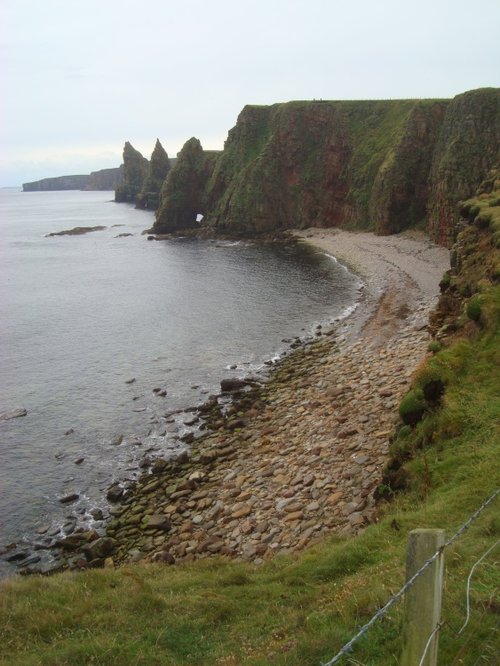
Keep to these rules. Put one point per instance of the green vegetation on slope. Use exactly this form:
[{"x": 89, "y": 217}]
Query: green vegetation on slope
[{"x": 300, "y": 610}]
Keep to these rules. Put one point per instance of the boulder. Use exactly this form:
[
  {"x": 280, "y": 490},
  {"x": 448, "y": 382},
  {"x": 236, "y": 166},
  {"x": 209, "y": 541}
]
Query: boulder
[
  {"x": 114, "y": 493},
  {"x": 158, "y": 521},
  {"x": 233, "y": 384},
  {"x": 13, "y": 414},
  {"x": 67, "y": 499},
  {"x": 99, "y": 549}
]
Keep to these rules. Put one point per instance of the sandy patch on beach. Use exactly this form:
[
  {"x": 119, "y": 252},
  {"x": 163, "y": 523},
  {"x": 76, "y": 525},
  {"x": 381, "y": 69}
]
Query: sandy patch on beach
[{"x": 400, "y": 276}]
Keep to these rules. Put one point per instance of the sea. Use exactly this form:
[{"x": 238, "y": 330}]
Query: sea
[{"x": 95, "y": 327}]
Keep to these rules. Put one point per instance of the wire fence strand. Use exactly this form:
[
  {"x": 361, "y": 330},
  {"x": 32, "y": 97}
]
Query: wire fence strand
[
  {"x": 468, "y": 584},
  {"x": 382, "y": 611},
  {"x": 429, "y": 641}
]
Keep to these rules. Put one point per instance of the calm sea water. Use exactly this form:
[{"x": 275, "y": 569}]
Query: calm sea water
[{"x": 83, "y": 315}]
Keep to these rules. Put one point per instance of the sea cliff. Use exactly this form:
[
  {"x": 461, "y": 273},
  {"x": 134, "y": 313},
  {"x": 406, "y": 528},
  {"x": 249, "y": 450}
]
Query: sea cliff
[
  {"x": 382, "y": 166},
  {"x": 77, "y": 182},
  {"x": 104, "y": 179}
]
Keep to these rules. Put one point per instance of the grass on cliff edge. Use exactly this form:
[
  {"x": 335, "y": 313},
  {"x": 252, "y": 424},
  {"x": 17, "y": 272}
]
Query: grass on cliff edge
[{"x": 298, "y": 610}]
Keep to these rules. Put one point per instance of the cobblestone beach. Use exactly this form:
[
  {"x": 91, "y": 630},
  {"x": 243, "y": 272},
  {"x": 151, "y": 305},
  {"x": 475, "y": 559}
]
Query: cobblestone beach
[{"x": 301, "y": 456}]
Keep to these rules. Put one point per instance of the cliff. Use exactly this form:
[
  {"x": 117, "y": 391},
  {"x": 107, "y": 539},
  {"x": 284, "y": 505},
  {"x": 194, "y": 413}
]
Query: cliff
[
  {"x": 468, "y": 146},
  {"x": 79, "y": 182},
  {"x": 105, "y": 179},
  {"x": 378, "y": 165}
]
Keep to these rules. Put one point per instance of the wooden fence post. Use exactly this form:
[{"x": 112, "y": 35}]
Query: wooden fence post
[{"x": 423, "y": 600}]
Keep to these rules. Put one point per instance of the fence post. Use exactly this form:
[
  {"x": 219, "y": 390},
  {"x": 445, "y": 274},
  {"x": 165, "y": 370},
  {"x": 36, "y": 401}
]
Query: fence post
[{"x": 423, "y": 600}]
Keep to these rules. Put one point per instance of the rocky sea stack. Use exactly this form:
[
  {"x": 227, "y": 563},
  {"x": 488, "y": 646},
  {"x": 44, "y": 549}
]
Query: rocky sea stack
[{"x": 142, "y": 178}]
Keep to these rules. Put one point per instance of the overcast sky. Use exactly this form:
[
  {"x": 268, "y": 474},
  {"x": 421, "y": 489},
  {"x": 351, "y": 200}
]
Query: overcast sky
[{"x": 80, "y": 77}]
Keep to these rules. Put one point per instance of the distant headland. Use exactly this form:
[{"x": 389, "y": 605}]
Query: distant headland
[{"x": 104, "y": 179}]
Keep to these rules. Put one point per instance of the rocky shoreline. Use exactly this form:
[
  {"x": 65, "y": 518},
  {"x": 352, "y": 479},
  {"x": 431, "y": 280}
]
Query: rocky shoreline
[{"x": 300, "y": 456}]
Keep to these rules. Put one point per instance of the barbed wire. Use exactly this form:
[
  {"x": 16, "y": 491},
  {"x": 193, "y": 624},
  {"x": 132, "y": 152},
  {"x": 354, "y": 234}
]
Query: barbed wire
[{"x": 382, "y": 611}]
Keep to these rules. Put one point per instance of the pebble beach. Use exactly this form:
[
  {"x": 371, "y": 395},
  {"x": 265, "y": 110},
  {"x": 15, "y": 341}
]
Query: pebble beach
[{"x": 300, "y": 457}]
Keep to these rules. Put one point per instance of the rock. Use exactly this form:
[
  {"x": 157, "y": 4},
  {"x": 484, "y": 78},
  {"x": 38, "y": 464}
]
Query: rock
[
  {"x": 182, "y": 458},
  {"x": 67, "y": 499},
  {"x": 34, "y": 559},
  {"x": 215, "y": 547},
  {"x": 158, "y": 521},
  {"x": 233, "y": 384},
  {"x": 115, "y": 493},
  {"x": 13, "y": 414},
  {"x": 76, "y": 231},
  {"x": 249, "y": 551},
  {"x": 296, "y": 515},
  {"x": 97, "y": 514},
  {"x": 348, "y": 432},
  {"x": 16, "y": 557},
  {"x": 49, "y": 568},
  {"x": 72, "y": 541},
  {"x": 69, "y": 527},
  {"x": 117, "y": 440},
  {"x": 356, "y": 519},
  {"x": 164, "y": 557},
  {"x": 159, "y": 466},
  {"x": 99, "y": 549},
  {"x": 242, "y": 512},
  {"x": 145, "y": 462},
  {"x": 79, "y": 461},
  {"x": 236, "y": 423},
  {"x": 208, "y": 457}
]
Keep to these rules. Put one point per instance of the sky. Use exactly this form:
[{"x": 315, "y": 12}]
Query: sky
[{"x": 78, "y": 78}]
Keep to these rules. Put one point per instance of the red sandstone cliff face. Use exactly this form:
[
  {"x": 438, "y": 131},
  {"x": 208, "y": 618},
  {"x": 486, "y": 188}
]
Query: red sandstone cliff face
[
  {"x": 401, "y": 188},
  {"x": 380, "y": 165},
  {"x": 467, "y": 148}
]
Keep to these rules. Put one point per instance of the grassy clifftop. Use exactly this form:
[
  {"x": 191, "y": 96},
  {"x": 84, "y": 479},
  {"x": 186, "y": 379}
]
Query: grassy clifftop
[
  {"x": 379, "y": 165},
  {"x": 300, "y": 610}
]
